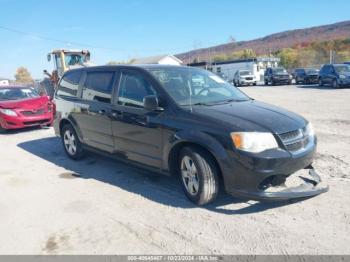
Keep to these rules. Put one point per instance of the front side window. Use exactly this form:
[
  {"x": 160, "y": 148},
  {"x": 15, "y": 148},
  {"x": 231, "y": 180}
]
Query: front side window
[
  {"x": 195, "y": 86},
  {"x": 69, "y": 84},
  {"x": 133, "y": 88},
  {"x": 98, "y": 86},
  {"x": 15, "y": 93}
]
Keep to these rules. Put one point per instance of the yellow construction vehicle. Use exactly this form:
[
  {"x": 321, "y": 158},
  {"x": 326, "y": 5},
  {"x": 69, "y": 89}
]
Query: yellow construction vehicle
[{"x": 63, "y": 60}]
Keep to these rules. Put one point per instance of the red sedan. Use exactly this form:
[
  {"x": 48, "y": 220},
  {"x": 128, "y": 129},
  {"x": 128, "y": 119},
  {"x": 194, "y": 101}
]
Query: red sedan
[{"x": 22, "y": 107}]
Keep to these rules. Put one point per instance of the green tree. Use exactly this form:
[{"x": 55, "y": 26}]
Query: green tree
[
  {"x": 220, "y": 58},
  {"x": 23, "y": 76},
  {"x": 289, "y": 57}
]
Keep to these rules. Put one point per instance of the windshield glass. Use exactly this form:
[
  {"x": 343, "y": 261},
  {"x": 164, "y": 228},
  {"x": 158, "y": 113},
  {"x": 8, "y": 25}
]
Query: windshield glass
[
  {"x": 279, "y": 70},
  {"x": 311, "y": 71},
  {"x": 340, "y": 69},
  {"x": 15, "y": 93},
  {"x": 245, "y": 73},
  {"x": 196, "y": 86}
]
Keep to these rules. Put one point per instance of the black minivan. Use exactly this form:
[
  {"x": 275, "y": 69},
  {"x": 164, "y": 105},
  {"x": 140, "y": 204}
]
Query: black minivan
[{"x": 191, "y": 123}]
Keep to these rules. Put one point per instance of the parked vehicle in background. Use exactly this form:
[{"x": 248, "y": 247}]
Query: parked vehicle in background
[
  {"x": 306, "y": 75},
  {"x": 335, "y": 75},
  {"x": 277, "y": 75},
  {"x": 244, "y": 77},
  {"x": 188, "y": 122},
  {"x": 23, "y": 107}
]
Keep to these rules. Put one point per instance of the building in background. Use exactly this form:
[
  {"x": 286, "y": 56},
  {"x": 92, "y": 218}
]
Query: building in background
[
  {"x": 4, "y": 82},
  {"x": 161, "y": 60},
  {"x": 227, "y": 69}
]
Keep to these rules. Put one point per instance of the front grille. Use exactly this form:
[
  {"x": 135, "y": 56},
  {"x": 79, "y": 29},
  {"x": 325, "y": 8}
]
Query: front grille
[
  {"x": 295, "y": 140},
  {"x": 33, "y": 113},
  {"x": 249, "y": 78}
]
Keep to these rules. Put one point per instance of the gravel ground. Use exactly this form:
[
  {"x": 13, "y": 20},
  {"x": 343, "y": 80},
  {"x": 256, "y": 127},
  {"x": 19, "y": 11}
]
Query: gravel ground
[{"x": 52, "y": 205}]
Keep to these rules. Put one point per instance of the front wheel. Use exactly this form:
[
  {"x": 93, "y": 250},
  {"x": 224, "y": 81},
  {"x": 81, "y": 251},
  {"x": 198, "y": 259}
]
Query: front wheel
[
  {"x": 199, "y": 175},
  {"x": 2, "y": 130},
  {"x": 335, "y": 84},
  {"x": 320, "y": 82},
  {"x": 71, "y": 143}
]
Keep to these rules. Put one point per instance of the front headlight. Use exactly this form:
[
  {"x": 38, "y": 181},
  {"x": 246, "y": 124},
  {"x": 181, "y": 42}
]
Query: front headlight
[
  {"x": 309, "y": 130},
  {"x": 254, "y": 142},
  {"x": 8, "y": 112},
  {"x": 342, "y": 76}
]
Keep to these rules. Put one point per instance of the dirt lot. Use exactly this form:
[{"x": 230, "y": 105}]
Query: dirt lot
[{"x": 106, "y": 207}]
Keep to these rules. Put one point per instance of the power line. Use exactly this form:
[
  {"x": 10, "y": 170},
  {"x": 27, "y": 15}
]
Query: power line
[{"x": 20, "y": 32}]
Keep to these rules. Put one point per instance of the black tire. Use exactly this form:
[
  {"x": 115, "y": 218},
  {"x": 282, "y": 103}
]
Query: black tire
[
  {"x": 266, "y": 82},
  {"x": 254, "y": 84},
  {"x": 206, "y": 175},
  {"x": 320, "y": 82},
  {"x": 68, "y": 132},
  {"x": 2, "y": 130},
  {"x": 335, "y": 84}
]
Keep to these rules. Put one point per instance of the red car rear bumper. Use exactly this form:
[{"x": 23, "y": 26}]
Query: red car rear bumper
[{"x": 17, "y": 122}]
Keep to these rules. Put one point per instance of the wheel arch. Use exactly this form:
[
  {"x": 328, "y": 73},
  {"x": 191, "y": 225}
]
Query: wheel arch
[
  {"x": 215, "y": 149},
  {"x": 70, "y": 121}
]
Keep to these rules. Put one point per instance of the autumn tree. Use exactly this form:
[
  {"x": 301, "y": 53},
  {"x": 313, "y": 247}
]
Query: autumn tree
[
  {"x": 289, "y": 57},
  {"x": 23, "y": 76}
]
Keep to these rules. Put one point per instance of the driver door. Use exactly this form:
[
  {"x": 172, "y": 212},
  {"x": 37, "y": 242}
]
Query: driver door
[{"x": 137, "y": 133}]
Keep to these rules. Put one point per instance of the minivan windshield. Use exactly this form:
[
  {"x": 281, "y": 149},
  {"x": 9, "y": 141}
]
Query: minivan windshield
[
  {"x": 191, "y": 86},
  {"x": 279, "y": 70},
  {"x": 311, "y": 71},
  {"x": 245, "y": 73},
  {"x": 340, "y": 69}
]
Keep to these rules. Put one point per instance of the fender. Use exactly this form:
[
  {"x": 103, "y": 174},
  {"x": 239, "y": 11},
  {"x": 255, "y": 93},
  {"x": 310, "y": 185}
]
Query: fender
[
  {"x": 202, "y": 139},
  {"x": 75, "y": 125}
]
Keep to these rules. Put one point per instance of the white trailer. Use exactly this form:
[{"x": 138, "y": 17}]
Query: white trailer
[{"x": 256, "y": 65}]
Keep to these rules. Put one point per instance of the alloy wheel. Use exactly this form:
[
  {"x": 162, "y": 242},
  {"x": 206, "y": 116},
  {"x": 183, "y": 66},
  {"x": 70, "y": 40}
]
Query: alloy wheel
[
  {"x": 70, "y": 142},
  {"x": 189, "y": 175}
]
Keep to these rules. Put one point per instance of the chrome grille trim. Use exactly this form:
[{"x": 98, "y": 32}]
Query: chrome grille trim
[{"x": 295, "y": 140}]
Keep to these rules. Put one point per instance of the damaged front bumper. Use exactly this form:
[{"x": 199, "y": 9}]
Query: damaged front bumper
[{"x": 302, "y": 184}]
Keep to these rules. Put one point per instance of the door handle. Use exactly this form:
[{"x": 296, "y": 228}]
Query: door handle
[{"x": 116, "y": 114}]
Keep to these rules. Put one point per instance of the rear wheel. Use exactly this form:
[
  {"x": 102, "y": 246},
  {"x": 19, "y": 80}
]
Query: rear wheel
[
  {"x": 266, "y": 82},
  {"x": 199, "y": 175},
  {"x": 71, "y": 143}
]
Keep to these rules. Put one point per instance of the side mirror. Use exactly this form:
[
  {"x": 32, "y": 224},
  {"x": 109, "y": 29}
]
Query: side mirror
[
  {"x": 48, "y": 57},
  {"x": 150, "y": 103}
]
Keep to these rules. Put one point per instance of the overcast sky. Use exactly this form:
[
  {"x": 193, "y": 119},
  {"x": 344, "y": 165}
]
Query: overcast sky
[{"x": 120, "y": 30}]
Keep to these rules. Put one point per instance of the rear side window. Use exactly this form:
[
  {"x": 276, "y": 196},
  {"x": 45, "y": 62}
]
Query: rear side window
[
  {"x": 98, "y": 86},
  {"x": 69, "y": 84}
]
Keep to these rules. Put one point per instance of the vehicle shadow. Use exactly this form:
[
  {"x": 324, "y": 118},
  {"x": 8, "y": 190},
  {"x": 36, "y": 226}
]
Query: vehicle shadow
[
  {"x": 158, "y": 188},
  {"x": 22, "y": 130},
  {"x": 316, "y": 87}
]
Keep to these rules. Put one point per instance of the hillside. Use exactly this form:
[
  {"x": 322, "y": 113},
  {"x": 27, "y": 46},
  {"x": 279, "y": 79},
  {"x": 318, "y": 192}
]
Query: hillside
[{"x": 275, "y": 42}]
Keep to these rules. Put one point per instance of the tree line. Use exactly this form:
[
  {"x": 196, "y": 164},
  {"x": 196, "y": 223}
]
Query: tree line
[{"x": 301, "y": 55}]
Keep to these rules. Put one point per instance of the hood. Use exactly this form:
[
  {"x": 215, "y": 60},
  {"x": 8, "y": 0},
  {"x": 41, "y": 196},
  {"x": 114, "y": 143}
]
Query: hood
[
  {"x": 253, "y": 116},
  {"x": 32, "y": 103},
  {"x": 347, "y": 74}
]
